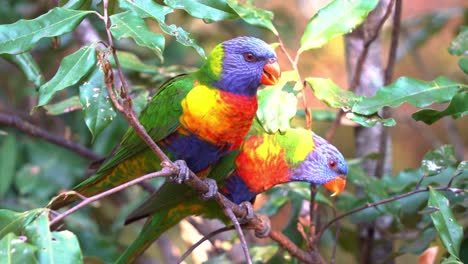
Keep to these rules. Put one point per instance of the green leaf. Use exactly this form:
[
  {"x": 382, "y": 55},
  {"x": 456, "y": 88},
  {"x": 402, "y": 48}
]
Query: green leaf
[
  {"x": 463, "y": 64},
  {"x": 71, "y": 70},
  {"x": 182, "y": 36},
  {"x": 76, "y": 4},
  {"x": 252, "y": 15},
  {"x": 56, "y": 247},
  {"x": 276, "y": 108},
  {"x": 208, "y": 10},
  {"x": 129, "y": 25},
  {"x": 26, "y": 63},
  {"x": 331, "y": 94},
  {"x": 8, "y": 153},
  {"x": 457, "y": 108},
  {"x": 14, "y": 249},
  {"x": 337, "y": 18},
  {"x": 130, "y": 61},
  {"x": 22, "y": 35},
  {"x": 65, "y": 106},
  {"x": 437, "y": 160},
  {"x": 147, "y": 8},
  {"x": 450, "y": 260},
  {"x": 328, "y": 92},
  {"x": 11, "y": 221},
  {"x": 98, "y": 109},
  {"x": 413, "y": 91},
  {"x": 459, "y": 46},
  {"x": 450, "y": 232}
]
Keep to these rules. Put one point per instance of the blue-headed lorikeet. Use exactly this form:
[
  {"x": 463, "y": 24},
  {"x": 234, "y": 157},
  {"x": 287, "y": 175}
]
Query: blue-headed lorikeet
[
  {"x": 197, "y": 117},
  {"x": 263, "y": 160}
]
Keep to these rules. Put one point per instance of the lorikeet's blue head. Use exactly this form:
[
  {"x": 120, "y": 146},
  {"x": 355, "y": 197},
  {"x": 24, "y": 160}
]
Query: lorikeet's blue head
[
  {"x": 324, "y": 165},
  {"x": 241, "y": 64}
]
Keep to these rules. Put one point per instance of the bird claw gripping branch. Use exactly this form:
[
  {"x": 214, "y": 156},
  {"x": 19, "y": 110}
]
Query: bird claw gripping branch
[
  {"x": 184, "y": 172},
  {"x": 250, "y": 212},
  {"x": 264, "y": 228},
  {"x": 212, "y": 189}
]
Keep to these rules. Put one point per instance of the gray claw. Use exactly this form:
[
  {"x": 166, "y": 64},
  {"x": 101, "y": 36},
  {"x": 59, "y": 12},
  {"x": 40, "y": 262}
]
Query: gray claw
[
  {"x": 212, "y": 189},
  {"x": 184, "y": 172},
  {"x": 250, "y": 212},
  {"x": 265, "y": 227}
]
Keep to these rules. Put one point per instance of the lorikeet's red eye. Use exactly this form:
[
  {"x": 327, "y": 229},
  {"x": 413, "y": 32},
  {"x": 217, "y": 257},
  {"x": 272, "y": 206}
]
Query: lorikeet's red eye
[
  {"x": 248, "y": 56},
  {"x": 332, "y": 164}
]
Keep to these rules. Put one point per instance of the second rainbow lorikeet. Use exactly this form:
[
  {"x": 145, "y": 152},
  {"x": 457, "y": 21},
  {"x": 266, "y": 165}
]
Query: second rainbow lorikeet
[
  {"x": 197, "y": 117},
  {"x": 263, "y": 161}
]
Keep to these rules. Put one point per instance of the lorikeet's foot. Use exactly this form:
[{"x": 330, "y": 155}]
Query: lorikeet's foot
[
  {"x": 184, "y": 172},
  {"x": 212, "y": 189},
  {"x": 266, "y": 227},
  {"x": 250, "y": 212}
]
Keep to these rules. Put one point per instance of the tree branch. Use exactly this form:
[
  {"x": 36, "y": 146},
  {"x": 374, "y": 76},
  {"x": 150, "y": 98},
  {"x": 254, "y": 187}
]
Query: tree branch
[
  {"x": 384, "y": 201},
  {"x": 164, "y": 172},
  {"x": 294, "y": 250},
  {"x": 203, "y": 239},
  {"x": 17, "y": 122},
  {"x": 359, "y": 66}
]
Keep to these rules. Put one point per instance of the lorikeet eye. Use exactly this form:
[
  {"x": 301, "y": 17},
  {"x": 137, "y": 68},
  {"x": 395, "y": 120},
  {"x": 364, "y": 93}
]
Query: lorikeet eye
[
  {"x": 332, "y": 164},
  {"x": 248, "y": 56}
]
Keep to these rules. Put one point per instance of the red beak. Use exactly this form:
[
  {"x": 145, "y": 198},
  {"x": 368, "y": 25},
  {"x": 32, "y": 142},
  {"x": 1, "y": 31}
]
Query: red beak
[
  {"x": 271, "y": 73},
  {"x": 336, "y": 185}
]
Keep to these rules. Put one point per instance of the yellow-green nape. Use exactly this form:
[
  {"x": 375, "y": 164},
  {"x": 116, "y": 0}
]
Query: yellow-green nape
[
  {"x": 297, "y": 143},
  {"x": 215, "y": 61}
]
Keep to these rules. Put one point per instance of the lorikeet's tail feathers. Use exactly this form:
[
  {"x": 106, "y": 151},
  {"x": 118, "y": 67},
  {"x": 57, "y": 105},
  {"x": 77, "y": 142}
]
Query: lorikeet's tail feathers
[
  {"x": 157, "y": 224},
  {"x": 153, "y": 228},
  {"x": 168, "y": 196}
]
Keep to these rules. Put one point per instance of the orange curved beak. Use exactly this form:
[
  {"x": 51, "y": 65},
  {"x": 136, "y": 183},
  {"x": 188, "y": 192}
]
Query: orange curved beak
[
  {"x": 336, "y": 185},
  {"x": 271, "y": 73}
]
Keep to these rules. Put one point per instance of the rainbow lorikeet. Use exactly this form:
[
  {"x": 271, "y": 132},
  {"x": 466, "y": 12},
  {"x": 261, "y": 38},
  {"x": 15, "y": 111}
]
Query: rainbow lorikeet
[
  {"x": 263, "y": 160},
  {"x": 197, "y": 117}
]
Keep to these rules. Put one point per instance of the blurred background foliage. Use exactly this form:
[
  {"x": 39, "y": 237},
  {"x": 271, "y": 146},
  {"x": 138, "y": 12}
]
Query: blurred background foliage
[{"x": 33, "y": 170}]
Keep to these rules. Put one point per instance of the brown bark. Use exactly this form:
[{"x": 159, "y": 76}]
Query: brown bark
[{"x": 373, "y": 246}]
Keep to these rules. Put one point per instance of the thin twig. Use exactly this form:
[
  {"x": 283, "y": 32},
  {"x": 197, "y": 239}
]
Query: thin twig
[
  {"x": 384, "y": 201},
  {"x": 294, "y": 64},
  {"x": 294, "y": 250},
  {"x": 418, "y": 184},
  {"x": 228, "y": 211},
  {"x": 203, "y": 239},
  {"x": 337, "y": 235},
  {"x": 313, "y": 212},
  {"x": 203, "y": 230},
  {"x": 388, "y": 75},
  {"x": 164, "y": 172},
  {"x": 126, "y": 107},
  {"x": 13, "y": 120}
]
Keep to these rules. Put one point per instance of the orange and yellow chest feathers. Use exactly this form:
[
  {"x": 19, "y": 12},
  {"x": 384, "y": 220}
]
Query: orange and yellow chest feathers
[
  {"x": 261, "y": 163},
  {"x": 218, "y": 117}
]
